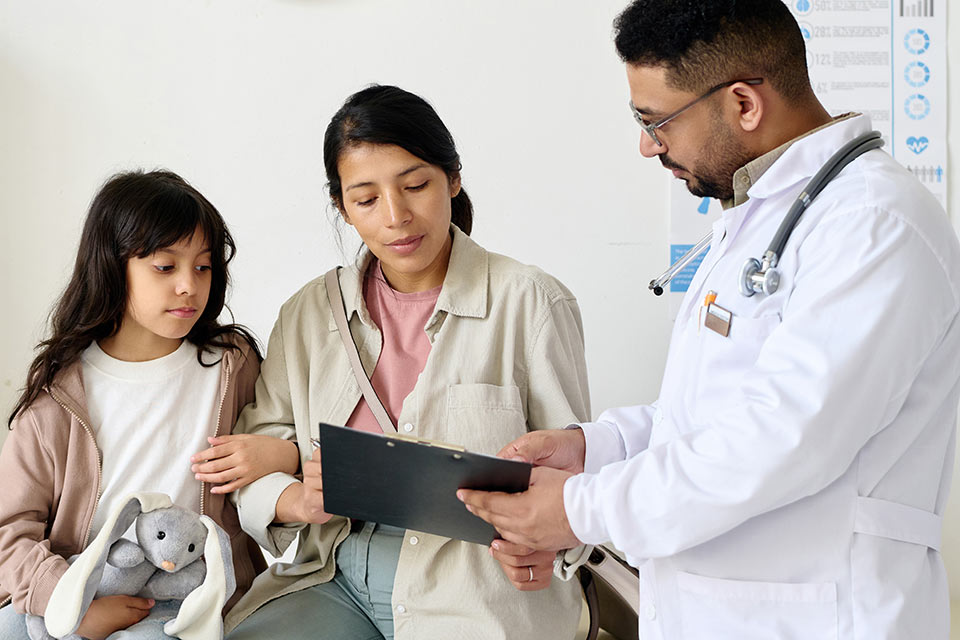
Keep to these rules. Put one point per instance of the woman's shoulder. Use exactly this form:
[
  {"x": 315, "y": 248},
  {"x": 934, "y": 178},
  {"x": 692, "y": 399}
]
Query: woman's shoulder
[{"x": 513, "y": 275}]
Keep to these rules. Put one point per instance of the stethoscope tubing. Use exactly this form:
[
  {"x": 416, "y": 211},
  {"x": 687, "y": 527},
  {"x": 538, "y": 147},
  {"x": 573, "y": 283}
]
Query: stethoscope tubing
[{"x": 844, "y": 156}]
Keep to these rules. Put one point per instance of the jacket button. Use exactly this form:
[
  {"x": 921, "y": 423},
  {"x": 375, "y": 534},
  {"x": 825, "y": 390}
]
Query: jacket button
[
  {"x": 401, "y": 608},
  {"x": 408, "y": 427},
  {"x": 414, "y": 539}
]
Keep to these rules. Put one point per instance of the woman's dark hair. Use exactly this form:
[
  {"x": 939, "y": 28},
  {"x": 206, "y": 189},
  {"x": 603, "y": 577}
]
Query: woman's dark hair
[
  {"x": 133, "y": 215},
  {"x": 381, "y": 114}
]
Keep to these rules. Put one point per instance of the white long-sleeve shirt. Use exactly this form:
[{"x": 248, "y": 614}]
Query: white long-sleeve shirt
[{"x": 790, "y": 479}]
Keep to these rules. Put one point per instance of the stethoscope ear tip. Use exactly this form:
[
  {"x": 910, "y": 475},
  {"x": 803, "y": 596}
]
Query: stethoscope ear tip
[{"x": 658, "y": 291}]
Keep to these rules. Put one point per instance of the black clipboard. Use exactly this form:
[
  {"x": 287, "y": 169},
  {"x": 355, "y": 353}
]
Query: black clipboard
[{"x": 410, "y": 483}]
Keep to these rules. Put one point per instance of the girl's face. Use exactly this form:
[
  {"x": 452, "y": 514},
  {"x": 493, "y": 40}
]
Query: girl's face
[
  {"x": 400, "y": 206},
  {"x": 167, "y": 292}
]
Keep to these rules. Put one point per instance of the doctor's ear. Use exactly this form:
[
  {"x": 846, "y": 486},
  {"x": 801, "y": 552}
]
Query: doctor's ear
[{"x": 749, "y": 102}]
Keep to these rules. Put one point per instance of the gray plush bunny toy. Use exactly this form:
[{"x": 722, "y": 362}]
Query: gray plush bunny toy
[{"x": 182, "y": 560}]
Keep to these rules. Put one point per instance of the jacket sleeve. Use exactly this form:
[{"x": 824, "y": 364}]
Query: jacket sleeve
[
  {"x": 870, "y": 306},
  {"x": 29, "y": 570},
  {"x": 557, "y": 392},
  {"x": 271, "y": 414}
]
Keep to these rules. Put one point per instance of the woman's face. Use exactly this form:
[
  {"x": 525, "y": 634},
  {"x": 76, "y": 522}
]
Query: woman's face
[{"x": 400, "y": 206}]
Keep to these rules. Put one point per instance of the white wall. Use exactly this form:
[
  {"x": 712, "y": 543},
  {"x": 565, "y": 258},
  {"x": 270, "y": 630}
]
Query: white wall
[{"x": 235, "y": 97}]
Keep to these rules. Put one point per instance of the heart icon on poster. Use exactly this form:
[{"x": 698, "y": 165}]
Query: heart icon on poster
[{"x": 918, "y": 145}]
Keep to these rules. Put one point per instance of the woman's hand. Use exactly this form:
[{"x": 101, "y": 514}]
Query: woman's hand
[
  {"x": 235, "y": 461},
  {"x": 526, "y": 569},
  {"x": 111, "y": 614},
  {"x": 303, "y": 501}
]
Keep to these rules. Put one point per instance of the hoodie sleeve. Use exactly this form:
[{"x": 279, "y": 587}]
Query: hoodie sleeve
[{"x": 29, "y": 570}]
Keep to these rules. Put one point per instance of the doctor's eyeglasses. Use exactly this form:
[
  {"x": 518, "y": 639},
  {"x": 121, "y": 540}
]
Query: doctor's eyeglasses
[{"x": 651, "y": 128}]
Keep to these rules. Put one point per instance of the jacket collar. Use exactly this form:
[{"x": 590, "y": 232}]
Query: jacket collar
[
  {"x": 464, "y": 290},
  {"x": 806, "y": 155}
]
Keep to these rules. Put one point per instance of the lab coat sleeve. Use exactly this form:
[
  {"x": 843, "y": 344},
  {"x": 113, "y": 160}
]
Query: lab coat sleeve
[
  {"x": 271, "y": 414},
  {"x": 871, "y": 300},
  {"x": 618, "y": 434}
]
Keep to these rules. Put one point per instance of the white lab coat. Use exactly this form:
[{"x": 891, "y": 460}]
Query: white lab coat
[{"x": 790, "y": 479}]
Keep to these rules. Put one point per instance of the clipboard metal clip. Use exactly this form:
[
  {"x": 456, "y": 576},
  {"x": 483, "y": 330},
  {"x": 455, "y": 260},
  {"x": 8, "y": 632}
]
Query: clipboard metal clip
[{"x": 424, "y": 441}]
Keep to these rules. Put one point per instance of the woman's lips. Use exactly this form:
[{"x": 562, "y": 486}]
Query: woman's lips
[{"x": 406, "y": 246}]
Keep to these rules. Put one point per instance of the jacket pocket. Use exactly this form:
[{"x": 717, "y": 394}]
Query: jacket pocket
[
  {"x": 717, "y": 608},
  {"x": 484, "y": 417}
]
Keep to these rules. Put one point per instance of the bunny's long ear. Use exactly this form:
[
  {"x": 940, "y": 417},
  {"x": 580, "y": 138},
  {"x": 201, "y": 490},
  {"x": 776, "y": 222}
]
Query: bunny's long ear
[
  {"x": 75, "y": 591},
  {"x": 200, "y": 615}
]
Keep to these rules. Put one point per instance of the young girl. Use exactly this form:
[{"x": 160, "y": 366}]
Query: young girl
[
  {"x": 137, "y": 374},
  {"x": 464, "y": 346}
]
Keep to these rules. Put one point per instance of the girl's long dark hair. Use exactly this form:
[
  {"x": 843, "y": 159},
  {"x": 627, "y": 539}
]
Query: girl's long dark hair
[
  {"x": 133, "y": 215},
  {"x": 382, "y": 114}
]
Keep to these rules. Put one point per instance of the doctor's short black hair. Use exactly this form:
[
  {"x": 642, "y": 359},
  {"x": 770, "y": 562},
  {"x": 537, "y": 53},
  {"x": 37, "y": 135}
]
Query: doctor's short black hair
[{"x": 702, "y": 43}]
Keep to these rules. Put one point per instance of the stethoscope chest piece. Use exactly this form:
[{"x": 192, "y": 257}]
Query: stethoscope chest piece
[{"x": 757, "y": 277}]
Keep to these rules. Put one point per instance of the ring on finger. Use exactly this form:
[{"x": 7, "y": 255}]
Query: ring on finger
[{"x": 530, "y": 569}]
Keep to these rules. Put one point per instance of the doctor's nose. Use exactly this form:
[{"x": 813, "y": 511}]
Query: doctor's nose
[{"x": 649, "y": 147}]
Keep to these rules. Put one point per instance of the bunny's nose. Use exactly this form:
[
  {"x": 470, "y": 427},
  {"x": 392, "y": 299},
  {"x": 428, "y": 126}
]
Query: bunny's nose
[{"x": 166, "y": 565}]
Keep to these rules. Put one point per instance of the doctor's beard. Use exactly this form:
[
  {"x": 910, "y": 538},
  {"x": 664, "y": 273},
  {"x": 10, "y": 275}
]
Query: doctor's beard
[{"x": 722, "y": 154}]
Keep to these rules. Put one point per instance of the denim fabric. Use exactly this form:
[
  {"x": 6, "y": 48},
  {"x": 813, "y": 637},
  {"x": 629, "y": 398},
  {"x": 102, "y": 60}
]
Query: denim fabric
[
  {"x": 13, "y": 625},
  {"x": 355, "y": 605}
]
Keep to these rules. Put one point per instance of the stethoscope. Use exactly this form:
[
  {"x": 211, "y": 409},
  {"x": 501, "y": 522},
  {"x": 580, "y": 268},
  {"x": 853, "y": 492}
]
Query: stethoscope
[{"x": 762, "y": 276}]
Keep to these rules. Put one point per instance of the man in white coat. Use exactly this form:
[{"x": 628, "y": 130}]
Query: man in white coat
[{"x": 789, "y": 481}]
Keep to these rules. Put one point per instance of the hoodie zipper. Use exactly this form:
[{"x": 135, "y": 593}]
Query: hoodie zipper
[
  {"x": 89, "y": 431},
  {"x": 223, "y": 398}
]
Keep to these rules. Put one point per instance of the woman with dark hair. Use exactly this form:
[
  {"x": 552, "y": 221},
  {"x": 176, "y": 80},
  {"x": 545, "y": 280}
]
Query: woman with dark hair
[
  {"x": 464, "y": 346},
  {"x": 137, "y": 363}
]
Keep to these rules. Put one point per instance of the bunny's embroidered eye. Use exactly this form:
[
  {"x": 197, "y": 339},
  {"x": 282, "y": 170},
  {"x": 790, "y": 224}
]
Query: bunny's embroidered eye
[
  {"x": 161, "y": 535},
  {"x": 191, "y": 547}
]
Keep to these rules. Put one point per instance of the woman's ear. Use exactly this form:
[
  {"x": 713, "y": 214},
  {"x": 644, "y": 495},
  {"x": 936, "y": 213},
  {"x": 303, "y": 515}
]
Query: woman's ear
[
  {"x": 343, "y": 212},
  {"x": 454, "y": 184}
]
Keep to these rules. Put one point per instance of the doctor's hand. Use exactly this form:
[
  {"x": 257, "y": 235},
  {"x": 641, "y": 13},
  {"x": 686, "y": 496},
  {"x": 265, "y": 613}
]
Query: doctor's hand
[
  {"x": 535, "y": 518},
  {"x": 562, "y": 449},
  {"x": 526, "y": 569},
  {"x": 303, "y": 501}
]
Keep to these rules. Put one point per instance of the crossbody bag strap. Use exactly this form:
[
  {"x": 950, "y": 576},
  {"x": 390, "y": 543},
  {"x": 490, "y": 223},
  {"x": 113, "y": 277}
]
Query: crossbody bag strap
[{"x": 335, "y": 297}]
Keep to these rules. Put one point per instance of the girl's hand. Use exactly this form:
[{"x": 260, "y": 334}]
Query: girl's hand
[
  {"x": 111, "y": 614},
  {"x": 235, "y": 461},
  {"x": 526, "y": 569}
]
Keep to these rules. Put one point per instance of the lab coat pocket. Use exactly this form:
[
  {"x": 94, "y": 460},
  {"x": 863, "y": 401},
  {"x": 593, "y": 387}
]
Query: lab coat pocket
[
  {"x": 721, "y": 360},
  {"x": 484, "y": 417},
  {"x": 717, "y": 608}
]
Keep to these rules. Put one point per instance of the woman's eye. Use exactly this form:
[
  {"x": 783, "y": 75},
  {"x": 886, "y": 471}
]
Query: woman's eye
[
  {"x": 366, "y": 203},
  {"x": 419, "y": 187}
]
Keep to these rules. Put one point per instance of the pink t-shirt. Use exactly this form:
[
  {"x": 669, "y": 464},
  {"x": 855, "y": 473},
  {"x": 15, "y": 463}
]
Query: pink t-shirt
[{"x": 401, "y": 318}]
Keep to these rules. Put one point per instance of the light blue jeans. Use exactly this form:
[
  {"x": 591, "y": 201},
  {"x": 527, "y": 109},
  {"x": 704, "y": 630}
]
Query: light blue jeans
[
  {"x": 13, "y": 625},
  {"x": 355, "y": 605}
]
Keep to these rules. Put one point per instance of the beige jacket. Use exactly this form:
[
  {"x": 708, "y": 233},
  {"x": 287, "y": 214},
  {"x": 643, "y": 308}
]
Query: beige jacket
[
  {"x": 51, "y": 485},
  {"x": 507, "y": 357}
]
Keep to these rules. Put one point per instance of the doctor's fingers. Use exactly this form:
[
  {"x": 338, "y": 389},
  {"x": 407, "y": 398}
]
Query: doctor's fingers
[{"x": 558, "y": 448}]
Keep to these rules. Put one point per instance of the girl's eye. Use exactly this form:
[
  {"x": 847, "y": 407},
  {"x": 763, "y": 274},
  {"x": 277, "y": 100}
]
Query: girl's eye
[
  {"x": 203, "y": 267},
  {"x": 419, "y": 187},
  {"x": 163, "y": 268}
]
